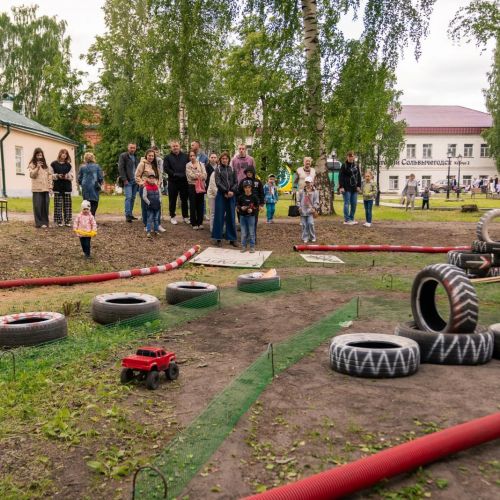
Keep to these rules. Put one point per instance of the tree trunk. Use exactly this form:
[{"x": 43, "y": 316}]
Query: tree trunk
[
  {"x": 315, "y": 119},
  {"x": 183, "y": 119}
]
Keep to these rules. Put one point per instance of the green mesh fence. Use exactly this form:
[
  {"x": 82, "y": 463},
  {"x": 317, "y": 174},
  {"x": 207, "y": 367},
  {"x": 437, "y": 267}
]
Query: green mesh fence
[{"x": 193, "y": 447}]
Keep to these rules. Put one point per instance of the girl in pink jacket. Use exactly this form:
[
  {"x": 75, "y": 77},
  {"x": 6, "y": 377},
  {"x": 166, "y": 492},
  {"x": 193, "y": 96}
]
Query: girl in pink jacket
[{"x": 85, "y": 227}]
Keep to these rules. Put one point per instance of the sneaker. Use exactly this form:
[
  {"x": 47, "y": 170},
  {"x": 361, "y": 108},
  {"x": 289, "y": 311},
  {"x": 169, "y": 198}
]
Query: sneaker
[
  {"x": 367, "y": 224},
  {"x": 161, "y": 229},
  {"x": 187, "y": 220},
  {"x": 354, "y": 222},
  {"x": 87, "y": 256},
  {"x": 243, "y": 250},
  {"x": 233, "y": 244},
  {"x": 346, "y": 222},
  {"x": 44, "y": 226},
  {"x": 252, "y": 250},
  {"x": 306, "y": 241},
  {"x": 195, "y": 228},
  {"x": 129, "y": 218},
  {"x": 134, "y": 218},
  {"x": 313, "y": 240},
  {"x": 156, "y": 233},
  {"x": 173, "y": 221},
  {"x": 201, "y": 227},
  {"x": 148, "y": 235},
  {"x": 68, "y": 224}
]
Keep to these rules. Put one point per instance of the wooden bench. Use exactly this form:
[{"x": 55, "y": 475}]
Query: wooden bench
[{"x": 3, "y": 209}]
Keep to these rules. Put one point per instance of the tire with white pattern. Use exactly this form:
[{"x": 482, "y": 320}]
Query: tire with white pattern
[
  {"x": 482, "y": 228},
  {"x": 462, "y": 298},
  {"x": 450, "y": 348},
  {"x": 32, "y": 328},
  {"x": 374, "y": 355},
  {"x": 493, "y": 272},
  {"x": 113, "y": 307},
  {"x": 479, "y": 246},
  {"x": 495, "y": 330},
  {"x": 469, "y": 260}
]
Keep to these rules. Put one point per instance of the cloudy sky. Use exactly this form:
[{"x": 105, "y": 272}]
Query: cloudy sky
[{"x": 445, "y": 73}]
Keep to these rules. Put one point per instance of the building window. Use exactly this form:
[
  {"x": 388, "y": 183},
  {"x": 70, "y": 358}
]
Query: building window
[
  {"x": 485, "y": 151},
  {"x": 427, "y": 151},
  {"x": 411, "y": 151},
  {"x": 394, "y": 183},
  {"x": 426, "y": 181},
  {"x": 19, "y": 160},
  {"x": 467, "y": 180},
  {"x": 468, "y": 150},
  {"x": 452, "y": 148}
]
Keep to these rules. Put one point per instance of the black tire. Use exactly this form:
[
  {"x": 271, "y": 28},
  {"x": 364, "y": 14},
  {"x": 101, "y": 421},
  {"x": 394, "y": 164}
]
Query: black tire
[
  {"x": 112, "y": 307},
  {"x": 482, "y": 229},
  {"x": 153, "y": 380},
  {"x": 374, "y": 355},
  {"x": 479, "y": 246},
  {"x": 468, "y": 260},
  {"x": 495, "y": 330},
  {"x": 462, "y": 297},
  {"x": 185, "y": 292},
  {"x": 253, "y": 283},
  {"x": 126, "y": 375},
  {"x": 32, "y": 328},
  {"x": 172, "y": 372},
  {"x": 450, "y": 348}
]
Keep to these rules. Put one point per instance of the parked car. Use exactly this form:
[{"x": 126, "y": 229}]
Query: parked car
[
  {"x": 147, "y": 364},
  {"x": 442, "y": 186}
]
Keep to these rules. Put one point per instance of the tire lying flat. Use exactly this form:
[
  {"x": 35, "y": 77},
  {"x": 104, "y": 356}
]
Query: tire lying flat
[
  {"x": 32, "y": 328},
  {"x": 112, "y": 307},
  {"x": 254, "y": 283},
  {"x": 450, "y": 348},
  {"x": 185, "y": 292},
  {"x": 495, "y": 331},
  {"x": 482, "y": 228},
  {"x": 462, "y": 297},
  {"x": 374, "y": 355}
]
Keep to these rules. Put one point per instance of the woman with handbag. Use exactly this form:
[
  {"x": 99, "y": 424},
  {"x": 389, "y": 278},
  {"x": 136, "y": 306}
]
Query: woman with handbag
[
  {"x": 196, "y": 175},
  {"x": 308, "y": 203},
  {"x": 90, "y": 178}
]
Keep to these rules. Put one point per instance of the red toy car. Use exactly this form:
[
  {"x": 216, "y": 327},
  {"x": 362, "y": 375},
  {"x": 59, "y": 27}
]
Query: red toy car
[{"x": 149, "y": 362}]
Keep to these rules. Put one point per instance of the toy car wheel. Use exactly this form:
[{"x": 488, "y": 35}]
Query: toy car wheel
[
  {"x": 172, "y": 372},
  {"x": 153, "y": 380},
  {"x": 126, "y": 376}
]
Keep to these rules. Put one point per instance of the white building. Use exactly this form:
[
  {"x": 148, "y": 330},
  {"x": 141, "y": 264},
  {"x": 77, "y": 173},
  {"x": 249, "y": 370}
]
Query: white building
[{"x": 431, "y": 132}]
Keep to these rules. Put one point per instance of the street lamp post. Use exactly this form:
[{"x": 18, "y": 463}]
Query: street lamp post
[
  {"x": 459, "y": 158},
  {"x": 377, "y": 197},
  {"x": 448, "y": 181}
]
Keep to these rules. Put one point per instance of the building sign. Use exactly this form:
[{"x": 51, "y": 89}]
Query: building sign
[{"x": 426, "y": 163}]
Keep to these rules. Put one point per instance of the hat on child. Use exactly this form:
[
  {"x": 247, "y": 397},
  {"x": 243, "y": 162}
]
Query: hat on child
[
  {"x": 309, "y": 179},
  {"x": 247, "y": 183},
  {"x": 85, "y": 204}
]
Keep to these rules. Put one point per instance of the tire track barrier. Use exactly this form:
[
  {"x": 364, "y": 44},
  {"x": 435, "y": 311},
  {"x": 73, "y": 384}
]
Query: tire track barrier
[
  {"x": 376, "y": 248},
  {"x": 95, "y": 278}
]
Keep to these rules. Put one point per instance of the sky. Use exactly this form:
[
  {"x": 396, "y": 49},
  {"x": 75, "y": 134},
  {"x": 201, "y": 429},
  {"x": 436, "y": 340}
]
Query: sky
[{"x": 445, "y": 74}]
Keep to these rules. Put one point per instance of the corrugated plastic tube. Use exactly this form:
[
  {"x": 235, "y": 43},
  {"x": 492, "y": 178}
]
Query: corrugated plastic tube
[
  {"x": 377, "y": 248},
  {"x": 95, "y": 278},
  {"x": 363, "y": 473}
]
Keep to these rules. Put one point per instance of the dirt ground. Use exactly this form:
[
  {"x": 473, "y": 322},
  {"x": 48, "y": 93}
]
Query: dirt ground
[
  {"x": 29, "y": 252},
  {"x": 309, "y": 419}
]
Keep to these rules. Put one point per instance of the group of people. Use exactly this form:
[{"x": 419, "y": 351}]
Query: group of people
[{"x": 229, "y": 184}]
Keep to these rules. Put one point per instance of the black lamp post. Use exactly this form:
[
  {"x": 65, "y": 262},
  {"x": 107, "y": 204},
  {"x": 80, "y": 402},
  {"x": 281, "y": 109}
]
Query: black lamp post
[
  {"x": 448, "y": 181},
  {"x": 459, "y": 158}
]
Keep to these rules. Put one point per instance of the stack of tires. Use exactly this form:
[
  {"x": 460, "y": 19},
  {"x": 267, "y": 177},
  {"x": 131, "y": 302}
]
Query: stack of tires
[
  {"x": 457, "y": 339},
  {"x": 484, "y": 258}
]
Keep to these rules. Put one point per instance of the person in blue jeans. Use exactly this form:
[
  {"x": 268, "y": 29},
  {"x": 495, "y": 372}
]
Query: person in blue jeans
[
  {"x": 248, "y": 207},
  {"x": 369, "y": 194},
  {"x": 349, "y": 187},
  {"x": 127, "y": 164},
  {"x": 270, "y": 197},
  {"x": 151, "y": 195}
]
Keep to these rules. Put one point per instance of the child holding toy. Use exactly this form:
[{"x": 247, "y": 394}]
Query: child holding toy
[
  {"x": 85, "y": 227},
  {"x": 270, "y": 197}
]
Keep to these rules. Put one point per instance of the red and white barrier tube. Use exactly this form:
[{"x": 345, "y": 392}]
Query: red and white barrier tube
[
  {"x": 95, "y": 278},
  {"x": 377, "y": 248},
  {"x": 363, "y": 473}
]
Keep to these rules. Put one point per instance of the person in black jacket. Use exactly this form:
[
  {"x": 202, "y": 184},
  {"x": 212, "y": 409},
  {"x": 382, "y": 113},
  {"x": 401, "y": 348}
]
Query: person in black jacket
[
  {"x": 248, "y": 207},
  {"x": 174, "y": 164},
  {"x": 225, "y": 201},
  {"x": 349, "y": 187},
  {"x": 62, "y": 187},
  {"x": 257, "y": 190},
  {"x": 127, "y": 163}
]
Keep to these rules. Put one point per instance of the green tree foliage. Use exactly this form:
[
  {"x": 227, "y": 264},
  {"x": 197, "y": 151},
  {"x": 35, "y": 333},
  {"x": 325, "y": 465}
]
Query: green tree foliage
[
  {"x": 480, "y": 21},
  {"x": 35, "y": 66}
]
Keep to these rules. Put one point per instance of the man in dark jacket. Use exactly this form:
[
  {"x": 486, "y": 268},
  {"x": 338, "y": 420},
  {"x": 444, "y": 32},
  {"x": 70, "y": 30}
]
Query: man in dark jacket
[
  {"x": 127, "y": 163},
  {"x": 349, "y": 187},
  {"x": 174, "y": 164}
]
